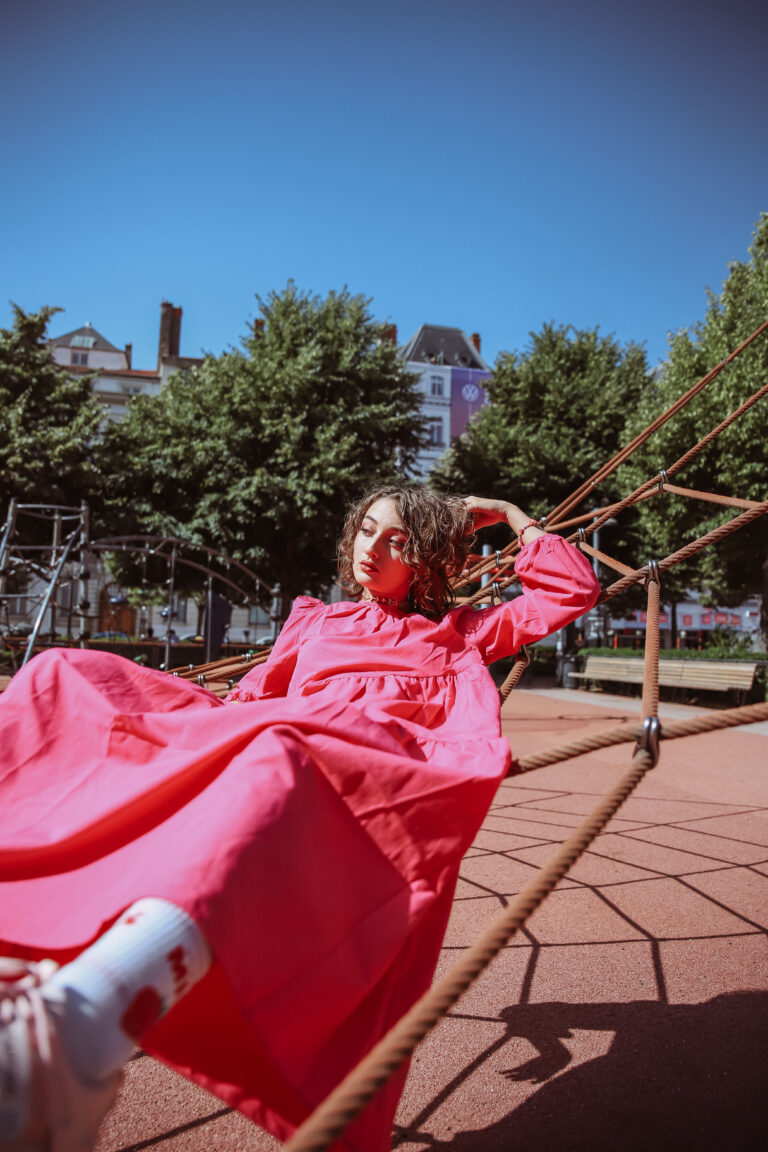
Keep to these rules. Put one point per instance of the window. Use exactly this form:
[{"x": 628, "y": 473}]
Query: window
[
  {"x": 66, "y": 596},
  {"x": 436, "y": 385},
  {"x": 82, "y": 342},
  {"x": 79, "y": 358},
  {"x": 257, "y": 615},
  {"x": 436, "y": 433}
]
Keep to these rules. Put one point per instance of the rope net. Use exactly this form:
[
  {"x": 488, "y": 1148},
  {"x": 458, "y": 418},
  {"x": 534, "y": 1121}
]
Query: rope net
[{"x": 331, "y": 1118}]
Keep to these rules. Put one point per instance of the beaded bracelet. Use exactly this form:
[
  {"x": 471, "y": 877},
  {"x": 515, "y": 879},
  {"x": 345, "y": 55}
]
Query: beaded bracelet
[{"x": 530, "y": 524}]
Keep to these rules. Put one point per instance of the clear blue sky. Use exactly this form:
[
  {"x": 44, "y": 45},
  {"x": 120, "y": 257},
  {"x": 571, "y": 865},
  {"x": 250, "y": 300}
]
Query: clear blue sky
[{"x": 492, "y": 165}]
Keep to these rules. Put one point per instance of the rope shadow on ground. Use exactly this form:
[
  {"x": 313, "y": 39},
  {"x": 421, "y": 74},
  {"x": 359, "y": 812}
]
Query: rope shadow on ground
[{"x": 676, "y": 1077}]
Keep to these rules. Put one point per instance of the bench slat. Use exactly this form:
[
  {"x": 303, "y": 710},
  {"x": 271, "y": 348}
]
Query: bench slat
[{"x": 717, "y": 676}]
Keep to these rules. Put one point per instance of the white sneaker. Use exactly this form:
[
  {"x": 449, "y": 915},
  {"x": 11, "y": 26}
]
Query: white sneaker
[{"x": 44, "y": 1106}]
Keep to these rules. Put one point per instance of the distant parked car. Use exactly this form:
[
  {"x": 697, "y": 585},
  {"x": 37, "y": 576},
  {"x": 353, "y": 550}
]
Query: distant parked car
[
  {"x": 109, "y": 636},
  {"x": 192, "y": 638}
]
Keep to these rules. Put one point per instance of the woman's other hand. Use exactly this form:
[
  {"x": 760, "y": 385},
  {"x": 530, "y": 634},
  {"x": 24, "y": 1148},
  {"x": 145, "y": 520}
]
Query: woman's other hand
[{"x": 485, "y": 512}]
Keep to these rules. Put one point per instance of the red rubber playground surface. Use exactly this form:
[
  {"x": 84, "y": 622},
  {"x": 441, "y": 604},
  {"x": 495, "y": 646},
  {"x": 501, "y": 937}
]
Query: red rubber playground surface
[{"x": 632, "y": 1012}]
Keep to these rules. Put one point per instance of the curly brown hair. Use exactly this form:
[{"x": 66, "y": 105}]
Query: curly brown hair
[{"x": 439, "y": 539}]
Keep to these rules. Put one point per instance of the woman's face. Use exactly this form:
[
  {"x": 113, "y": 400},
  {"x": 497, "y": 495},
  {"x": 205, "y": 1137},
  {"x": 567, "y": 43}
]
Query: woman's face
[{"x": 377, "y": 555}]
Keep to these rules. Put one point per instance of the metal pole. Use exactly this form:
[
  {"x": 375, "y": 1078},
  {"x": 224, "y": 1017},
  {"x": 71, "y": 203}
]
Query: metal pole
[
  {"x": 208, "y": 619},
  {"x": 83, "y": 601},
  {"x": 5, "y": 542},
  {"x": 486, "y": 577},
  {"x": 172, "y": 568},
  {"x": 49, "y": 593},
  {"x": 54, "y": 552}
]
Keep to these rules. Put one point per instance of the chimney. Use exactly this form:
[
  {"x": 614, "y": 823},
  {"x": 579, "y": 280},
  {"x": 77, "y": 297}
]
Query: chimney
[
  {"x": 390, "y": 334},
  {"x": 170, "y": 332},
  {"x": 129, "y": 354},
  {"x": 475, "y": 340}
]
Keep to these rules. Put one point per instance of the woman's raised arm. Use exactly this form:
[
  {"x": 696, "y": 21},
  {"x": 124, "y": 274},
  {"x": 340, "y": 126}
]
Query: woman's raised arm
[{"x": 485, "y": 512}]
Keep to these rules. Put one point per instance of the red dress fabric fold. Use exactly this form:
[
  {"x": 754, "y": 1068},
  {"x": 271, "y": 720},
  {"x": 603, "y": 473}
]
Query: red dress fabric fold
[{"x": 313, "y": 829}]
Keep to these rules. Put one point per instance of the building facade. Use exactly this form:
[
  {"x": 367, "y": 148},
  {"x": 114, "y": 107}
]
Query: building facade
[
  {"x": 116, "y": 381},
  {"x": 451, "y": 376}
]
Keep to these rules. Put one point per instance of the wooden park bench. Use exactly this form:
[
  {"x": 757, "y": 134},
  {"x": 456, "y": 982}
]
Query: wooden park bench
[{"x": 705, "y": 675}]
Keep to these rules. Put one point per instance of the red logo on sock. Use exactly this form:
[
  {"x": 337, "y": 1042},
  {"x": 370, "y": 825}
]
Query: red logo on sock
[
  {"x": 179, "y": 969},
  {"x": 142, "y": 1013}
]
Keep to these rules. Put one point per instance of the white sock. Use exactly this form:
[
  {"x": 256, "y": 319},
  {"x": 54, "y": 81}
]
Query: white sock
[{"x": 114, "y": 991}]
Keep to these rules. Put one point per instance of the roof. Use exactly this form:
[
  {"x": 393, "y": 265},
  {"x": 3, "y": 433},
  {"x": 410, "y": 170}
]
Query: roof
[
  {"x": 86, "y": 338},
  {"x": 435, "y": 344},
  {"x": 142, "y": 373},
  {"x": 182, "y": 361}
]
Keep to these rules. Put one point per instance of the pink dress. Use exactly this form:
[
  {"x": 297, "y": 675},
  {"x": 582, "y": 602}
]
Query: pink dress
[{"x": 314, "y": 832}]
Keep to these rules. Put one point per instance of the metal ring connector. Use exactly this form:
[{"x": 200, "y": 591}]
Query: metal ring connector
[
  {"x": 663, "y": 479},
  {"x": 582, "y": 535},
  {"x": 653, "y": 573},
  {"x": 499, "y": 559},
  {"x": 649, "y": 741},
  {"x": 495, "y": 590}
]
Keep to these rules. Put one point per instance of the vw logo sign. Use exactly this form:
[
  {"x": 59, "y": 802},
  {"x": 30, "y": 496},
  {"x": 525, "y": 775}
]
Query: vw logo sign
[{"x": 470, "y": 392}]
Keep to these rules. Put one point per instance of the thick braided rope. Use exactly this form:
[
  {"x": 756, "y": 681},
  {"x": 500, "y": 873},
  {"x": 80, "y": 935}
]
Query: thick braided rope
[
  {"x": 650, "y": 702},
  {"x": 234, "y": 664},
  {"x": 710, "y": 436},
  {"x": 683, "y": 553},
  {"x": 710, "y": 497},
  {"x": 671, "y": 730},
  {"x": 647, "y": 489},
  {"x": 688, "y": 550},
  {"x": 332, "y": 1116},
  {"x": 627, "y": 451},
  {"x": 522, "y": 660}
]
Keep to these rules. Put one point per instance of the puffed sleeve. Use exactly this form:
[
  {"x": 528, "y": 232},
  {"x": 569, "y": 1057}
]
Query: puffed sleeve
[
  {"x": 272, "y": 678},
  {"x": 558, "y": 585}
]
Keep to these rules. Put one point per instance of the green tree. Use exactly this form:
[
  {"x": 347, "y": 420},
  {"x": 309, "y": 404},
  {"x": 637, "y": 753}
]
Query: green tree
[
  {"x": 556, "y": 413},
  {"x": 257, "y": 452},
  {"x": 736, "y": 463},
  {"x": 49, "y": 421}
]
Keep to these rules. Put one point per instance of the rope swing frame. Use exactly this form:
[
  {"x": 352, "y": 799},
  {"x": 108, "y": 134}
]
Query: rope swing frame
[
  {"x": 342, "y": 1105},
  {"x": 335, "y": 1113}
]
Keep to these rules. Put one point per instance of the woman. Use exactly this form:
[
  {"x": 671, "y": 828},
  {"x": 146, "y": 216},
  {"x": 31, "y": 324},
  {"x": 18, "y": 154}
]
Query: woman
[{"x": 278, "y": 873}]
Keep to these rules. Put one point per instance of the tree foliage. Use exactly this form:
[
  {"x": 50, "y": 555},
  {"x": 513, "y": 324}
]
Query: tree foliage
[
  {"x": 736, "y": 463},
  {"x": 556, "y": 413},
  {"x": 49, "y": 421},
  {"x": 258, "y": 451}
]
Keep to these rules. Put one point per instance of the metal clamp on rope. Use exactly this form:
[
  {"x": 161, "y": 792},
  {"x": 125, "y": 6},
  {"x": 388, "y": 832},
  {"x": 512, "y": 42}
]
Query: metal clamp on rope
[
  {"x": 499, "y": 560},
  {"x": 649, "y": 741},
  {"x": 582, "y": 533},
  {"x": 201, "y": 679},
  {"x": 663, "y": 479},
  {"x": 653, "y": 573},
  {"x": 495, "y": 591}
]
